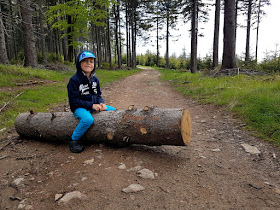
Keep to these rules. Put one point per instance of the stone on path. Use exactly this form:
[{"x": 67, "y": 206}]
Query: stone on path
[
  {"x": 146, "y": 173},
  {"x": 133, "y": 188},
  {"x": 71, "y": 195},
  {"x": 122, "y": 166},
  {"x": 251, "y": 149},
  {"x": 17, "y": 181},
  {"x": 89, "y": 162},
  {"x": 58, "y": 196}
]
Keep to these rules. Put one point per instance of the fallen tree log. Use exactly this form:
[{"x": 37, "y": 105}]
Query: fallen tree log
[{"x": 150, "y": 126}]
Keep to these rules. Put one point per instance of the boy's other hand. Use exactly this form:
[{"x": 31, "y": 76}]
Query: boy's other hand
[
  {"x": 97, "y": 107},
  {"x": 103, "y": 107}
]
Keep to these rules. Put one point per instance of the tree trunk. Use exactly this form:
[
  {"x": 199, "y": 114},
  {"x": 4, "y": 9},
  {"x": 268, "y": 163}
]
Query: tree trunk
[
  {"x": 117, "y": 40},
  {"x": 229, "y": 59},
  {"x": 258, "y": 26},
  {"x": 247, "y": 54},
  {"x": 216, "y": 34},
  {"x": 133, "y": 33},
  {"x": 157, "y": 19},
  {"x": 42, "y": 32},
  {"x": 28, "y": 34},
  {"x": 167, "y": 41},
  {"x": 194, "y": 38},
  {"x": 128, "y": 51},
  {"x": 3, "y": 49},
  {"x": 150, "y": 126},
  {"x": 70, "y": 53}
]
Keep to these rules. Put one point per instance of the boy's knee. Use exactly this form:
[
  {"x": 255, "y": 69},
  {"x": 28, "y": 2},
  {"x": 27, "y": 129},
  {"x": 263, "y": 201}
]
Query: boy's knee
[{"x": 88, "y": 120}]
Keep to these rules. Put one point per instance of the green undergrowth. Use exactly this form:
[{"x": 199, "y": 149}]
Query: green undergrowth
[
  {"x": 10, "y": 75},
  {"x": 255, "y": 99},
  {"x": 41, "y": 97}
]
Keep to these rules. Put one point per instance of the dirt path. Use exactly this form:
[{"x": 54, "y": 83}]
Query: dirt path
[{"x": 215, "y": 172}]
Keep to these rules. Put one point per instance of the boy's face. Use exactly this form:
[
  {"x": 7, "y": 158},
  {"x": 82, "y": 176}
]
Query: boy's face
[{"x": 87, "y": 65}]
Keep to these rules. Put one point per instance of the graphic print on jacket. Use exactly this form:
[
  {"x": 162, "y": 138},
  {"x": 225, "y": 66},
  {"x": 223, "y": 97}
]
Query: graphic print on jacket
[{"x": 86, "y": 90}]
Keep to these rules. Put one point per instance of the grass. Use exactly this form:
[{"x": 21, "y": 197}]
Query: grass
[
  {"x": 12, "y": 74},
  {"x": 39, "y": 98},
  {"x": 254, "y": 99}
]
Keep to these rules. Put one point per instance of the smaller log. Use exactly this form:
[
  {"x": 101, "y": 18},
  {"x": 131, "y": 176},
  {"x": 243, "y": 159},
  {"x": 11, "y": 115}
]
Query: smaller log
[{"x": 151, "y": 126}]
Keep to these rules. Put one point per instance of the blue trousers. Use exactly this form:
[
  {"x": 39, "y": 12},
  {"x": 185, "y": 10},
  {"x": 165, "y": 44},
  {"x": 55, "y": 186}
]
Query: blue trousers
[{"x": 86, "y": 120}]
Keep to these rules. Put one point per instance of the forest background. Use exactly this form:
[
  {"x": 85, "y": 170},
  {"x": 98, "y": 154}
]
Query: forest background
[
  {"x": 34, "y": 32},
  {"x": 43, "y": 32}
]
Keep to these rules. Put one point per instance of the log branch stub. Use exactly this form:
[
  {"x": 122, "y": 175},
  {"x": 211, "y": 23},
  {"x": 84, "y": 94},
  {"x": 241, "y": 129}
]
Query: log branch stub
[
  {"x": 146, "y": 108},
  {"x": 131, "y": 107},
  {"x": 154, "y": 127}
]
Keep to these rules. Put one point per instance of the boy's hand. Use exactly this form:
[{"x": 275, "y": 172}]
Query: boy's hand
[
  {"x": 103, "y": 107},
  {"x": 97, "y": 107}
]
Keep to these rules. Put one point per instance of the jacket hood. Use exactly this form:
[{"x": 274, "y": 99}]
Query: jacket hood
[{"x": 78, "y": 64}]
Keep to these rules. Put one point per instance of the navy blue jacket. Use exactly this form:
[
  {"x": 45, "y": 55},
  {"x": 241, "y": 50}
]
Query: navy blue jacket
[{"x": 83, "y": 92}]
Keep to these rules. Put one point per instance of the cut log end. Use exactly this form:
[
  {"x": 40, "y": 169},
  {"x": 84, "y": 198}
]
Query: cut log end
[{"x": 186, "y": 127}]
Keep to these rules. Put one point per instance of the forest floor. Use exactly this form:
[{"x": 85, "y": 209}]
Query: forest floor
[{"x": 217, "y": 171}]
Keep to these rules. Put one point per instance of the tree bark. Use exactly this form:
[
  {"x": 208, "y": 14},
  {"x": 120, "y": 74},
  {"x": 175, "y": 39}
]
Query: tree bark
[
  {"x": 151, "y": 126},
  {"x": 3, "y": 49},
  {"x": 258, "y": 26},
  {"x": 194, "y": 38},
  {"x": 42, "y": 32},
  {"x": 247, "y": 54},
  {"x": 70, "y": 53},
  {"x": 229, "y": 59},
  {"x": 167, "y": 41},
  {"x": 116, "y": 10},
  {"x": 216, "y": 34},
  {"x": 28, "y": 34}
]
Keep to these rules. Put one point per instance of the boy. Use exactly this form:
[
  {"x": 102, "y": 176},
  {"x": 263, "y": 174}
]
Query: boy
[{"x": 84, "y": 95}]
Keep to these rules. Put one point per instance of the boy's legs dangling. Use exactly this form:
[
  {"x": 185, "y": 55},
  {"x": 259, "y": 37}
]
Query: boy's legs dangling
[{"x": 86, "y": 120}]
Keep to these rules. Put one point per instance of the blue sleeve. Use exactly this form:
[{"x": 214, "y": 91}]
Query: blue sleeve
[{"x": 74, "y": 96}]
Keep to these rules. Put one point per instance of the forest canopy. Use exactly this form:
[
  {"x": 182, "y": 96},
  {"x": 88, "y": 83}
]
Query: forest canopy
[{"x": 37, "y": 32}]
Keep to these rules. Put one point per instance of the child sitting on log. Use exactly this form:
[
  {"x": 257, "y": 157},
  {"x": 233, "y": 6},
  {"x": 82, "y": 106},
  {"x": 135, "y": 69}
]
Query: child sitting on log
[{"x": 84, "y": 95}]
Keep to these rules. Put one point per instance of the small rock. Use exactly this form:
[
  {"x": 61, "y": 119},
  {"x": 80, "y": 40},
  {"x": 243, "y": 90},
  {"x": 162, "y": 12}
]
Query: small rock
[
  {"x": 216, "y": 150},
  {"x": 98, "y": 150},
  {"x": 50, "y": 174},
  {"x": 146, "y": 174},
  {"x": 274, "y": 155},
  {"x": 21, "y": 206},
  {"x": 2, "y": 130},
  {"x": 3, "y": 157},
  {"x": 133, "y": 188},
  {"x": 89, "y": 162},
  {"x": 122, "y": 167},
  {"x": 58, "y": 196},
  {"x": 251, "y": 149},
  {"x": 212, "y": 130},
  {"x": 277, "y": 190},
  {"x": 17, "y": 181},
  {"x": 84, "y": 179},
  {"x": 71, "y": 195}
]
